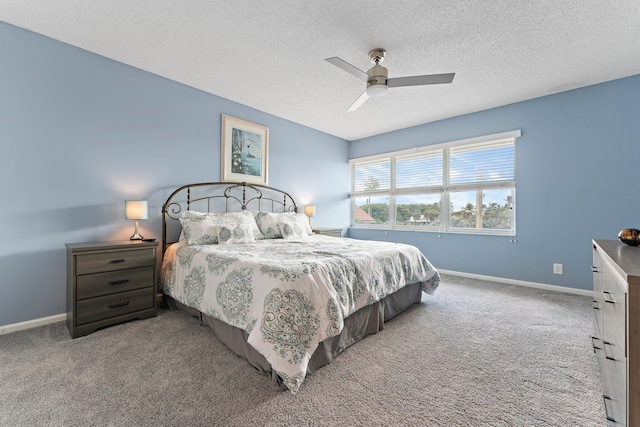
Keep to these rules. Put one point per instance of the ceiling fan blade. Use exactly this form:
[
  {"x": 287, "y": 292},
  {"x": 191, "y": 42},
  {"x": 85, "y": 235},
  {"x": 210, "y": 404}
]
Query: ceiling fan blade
[
  {"x": 358, "y": 102},
  {"x": 348, "y": 68},
  {"x": 429, "y": 79}
]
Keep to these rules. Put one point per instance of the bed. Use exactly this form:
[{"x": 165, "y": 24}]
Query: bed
[{"x": 241, "y": 258}]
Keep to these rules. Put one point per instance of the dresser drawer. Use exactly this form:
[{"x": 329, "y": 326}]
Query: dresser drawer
[
  {"x": 614, "y": 390},
  {"x": 98, "y": 284},
  {"x": 115, "y": 260},
  {"x": 597, "y": 318},
  {"x": 94, "y": 309},
  {"x": 614, "y": 325}
]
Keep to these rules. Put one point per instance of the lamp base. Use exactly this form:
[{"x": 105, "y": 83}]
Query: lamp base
[{"x": 136, "y": 234}]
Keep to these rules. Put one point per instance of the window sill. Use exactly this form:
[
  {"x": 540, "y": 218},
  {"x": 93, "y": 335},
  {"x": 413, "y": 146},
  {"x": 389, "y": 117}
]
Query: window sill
[{"x": 506, "y": 233}]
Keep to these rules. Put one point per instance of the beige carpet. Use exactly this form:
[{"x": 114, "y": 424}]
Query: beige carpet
[{"x": 475, "y": 354}]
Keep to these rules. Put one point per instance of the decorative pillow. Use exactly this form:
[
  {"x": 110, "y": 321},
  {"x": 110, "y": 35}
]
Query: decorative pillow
[
  {"x": 199, "y": 230},
  {"x": 303, "y": 221},
  {"x": 246, "y": 217},
  {"x": 203, "y": 228},
  {"x": 268, "y": 223},
  {"x": 237, "y": 234},
  {"x": 187, "y": 215},
  {"x": 291, "y": 230}
]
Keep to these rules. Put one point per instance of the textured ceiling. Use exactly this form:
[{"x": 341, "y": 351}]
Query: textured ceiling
[{"x": 270, "y": 55}]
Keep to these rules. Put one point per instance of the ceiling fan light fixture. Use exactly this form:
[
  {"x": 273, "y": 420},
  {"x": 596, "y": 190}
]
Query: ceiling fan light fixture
[{"x": 377, "y": 90}]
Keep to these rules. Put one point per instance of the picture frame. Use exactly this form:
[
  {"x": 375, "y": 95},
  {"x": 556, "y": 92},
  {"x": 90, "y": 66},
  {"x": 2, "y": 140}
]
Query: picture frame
[{"x": 245, "y": 151}]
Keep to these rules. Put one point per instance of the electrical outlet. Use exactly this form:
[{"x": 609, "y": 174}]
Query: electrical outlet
[{"x": 557, "y": 268}]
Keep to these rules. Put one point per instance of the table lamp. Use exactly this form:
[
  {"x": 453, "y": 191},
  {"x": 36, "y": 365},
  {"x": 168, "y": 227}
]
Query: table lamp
[
  {"x": 310, "y": 210},
  {"x": 136, "y": 209}
]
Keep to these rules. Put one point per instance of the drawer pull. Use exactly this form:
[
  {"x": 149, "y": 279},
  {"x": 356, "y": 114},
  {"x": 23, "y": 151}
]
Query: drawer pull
[
  {"x": 117, "y": 261},
  {"x": 607, "y": 343},
  {"x": 593, "y": 343},
  {"x": 118, "y": 282},
  {"x": 608, "y": 298},
  {"x": 607, "y": 402},
  {"x": 122, "y": 304},
  {"x": 594, "y": 269}
]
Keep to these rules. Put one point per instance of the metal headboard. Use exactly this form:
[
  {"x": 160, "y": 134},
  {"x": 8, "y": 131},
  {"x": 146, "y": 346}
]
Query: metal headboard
[{"x": 220, "y": 197}]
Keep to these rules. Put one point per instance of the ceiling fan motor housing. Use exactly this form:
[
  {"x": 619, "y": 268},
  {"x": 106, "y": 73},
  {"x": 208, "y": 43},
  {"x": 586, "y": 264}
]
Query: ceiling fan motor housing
[{"x": 377, "y": 82}]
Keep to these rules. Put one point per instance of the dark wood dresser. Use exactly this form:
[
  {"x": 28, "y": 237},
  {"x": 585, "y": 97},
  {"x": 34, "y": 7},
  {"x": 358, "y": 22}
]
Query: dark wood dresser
[
  {"x": 109, "y": 283},
  {"x": 616, "y": 328}
]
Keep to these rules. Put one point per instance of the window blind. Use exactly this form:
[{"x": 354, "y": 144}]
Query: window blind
[
  {"x": 484, "y": 162},
  {"x": 372, "y": 176},
  {"x": 424, "y": 170}
]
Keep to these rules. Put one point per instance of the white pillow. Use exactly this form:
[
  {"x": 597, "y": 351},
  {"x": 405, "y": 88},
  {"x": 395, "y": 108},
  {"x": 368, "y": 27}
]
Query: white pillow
[
  {"x": 268, "y": 223},
  {"x": 237, "y": 234},
  {"x": 203, "y": 228},
  {"x": 291, "y": 230},
  {"x": 303, "y": 221},
  {"x": 199, "y": 230},
  {"x": 247, "y": 217}
]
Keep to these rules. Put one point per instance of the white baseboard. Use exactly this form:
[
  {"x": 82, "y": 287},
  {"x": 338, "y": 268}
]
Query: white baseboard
[
  {"x": 554, "y": 288},
  {"x": 21, "y": 326}
]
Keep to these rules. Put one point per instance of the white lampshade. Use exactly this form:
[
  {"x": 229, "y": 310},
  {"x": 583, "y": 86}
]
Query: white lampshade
[
  {"x": 310, "y": 210},
  {"x": 136, "y": 209}
]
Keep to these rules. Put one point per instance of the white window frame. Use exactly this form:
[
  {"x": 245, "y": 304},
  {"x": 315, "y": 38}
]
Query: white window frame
[{"x": 444, "y": 190}]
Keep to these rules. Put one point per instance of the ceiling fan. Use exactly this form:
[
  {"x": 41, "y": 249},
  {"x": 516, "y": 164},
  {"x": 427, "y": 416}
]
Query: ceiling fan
[{"x": 377, "y": 77}]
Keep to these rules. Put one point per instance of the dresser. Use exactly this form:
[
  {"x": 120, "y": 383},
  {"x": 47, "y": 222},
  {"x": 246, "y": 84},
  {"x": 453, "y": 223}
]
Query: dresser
[
  {"x": 328, "y": 231},
  {"x": 109, "y": 283},
  {"x": 616, "y": 328}
]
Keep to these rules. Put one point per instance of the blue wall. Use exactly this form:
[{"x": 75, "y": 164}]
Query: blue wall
[
  {"x": 577, "y": 178},
  {"x": 80, "y": 134}
]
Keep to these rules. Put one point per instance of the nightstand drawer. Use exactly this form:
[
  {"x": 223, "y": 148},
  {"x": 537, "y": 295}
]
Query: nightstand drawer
[
  {"x": 116, "y": 260},
  {"x": 94, "y": 309},
  {"x": 95, "y": 285}
]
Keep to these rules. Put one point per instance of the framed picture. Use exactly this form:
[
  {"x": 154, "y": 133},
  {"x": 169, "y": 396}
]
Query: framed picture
[{"x": 245, "y": 148}]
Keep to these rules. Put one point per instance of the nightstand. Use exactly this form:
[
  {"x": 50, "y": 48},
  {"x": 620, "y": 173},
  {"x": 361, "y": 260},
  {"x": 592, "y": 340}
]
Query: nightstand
[
  {"x": 109, "y": 283},
  {"x": 327, "y": 231}
]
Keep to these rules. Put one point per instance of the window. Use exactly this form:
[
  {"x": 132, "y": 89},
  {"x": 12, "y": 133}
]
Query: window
[{"x": 466, "y": 187}]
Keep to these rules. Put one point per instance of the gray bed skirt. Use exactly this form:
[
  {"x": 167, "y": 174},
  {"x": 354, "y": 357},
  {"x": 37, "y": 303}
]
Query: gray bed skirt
[{"x": 366, "y": 321}]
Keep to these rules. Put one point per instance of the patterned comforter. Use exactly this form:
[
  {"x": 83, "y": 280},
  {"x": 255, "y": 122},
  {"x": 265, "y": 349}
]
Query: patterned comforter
[{"x": 289, "y": 295}]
